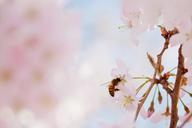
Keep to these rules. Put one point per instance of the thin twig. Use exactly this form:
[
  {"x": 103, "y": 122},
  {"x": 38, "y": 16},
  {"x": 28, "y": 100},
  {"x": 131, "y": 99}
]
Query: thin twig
[{"x": 157, "y": 70}]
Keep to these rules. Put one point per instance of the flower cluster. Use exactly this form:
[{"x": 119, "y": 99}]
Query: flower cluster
[{"x": 162, "y": 81}]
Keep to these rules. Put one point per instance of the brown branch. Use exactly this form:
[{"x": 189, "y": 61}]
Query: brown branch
[
  {"x": 167, "y": 35},
  {"x": 160, "y": 55},
  {"x": 175, "y": 94},
  {"x": 163, "y": 80},
  {"x": 165, "y": 85},
  {"x": 158, "y": 66}
]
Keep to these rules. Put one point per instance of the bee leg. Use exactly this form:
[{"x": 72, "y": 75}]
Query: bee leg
[{"x": 116, "y": 89}]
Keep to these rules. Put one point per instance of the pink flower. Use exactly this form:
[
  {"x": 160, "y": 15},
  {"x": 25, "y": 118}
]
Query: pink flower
[
  {"x": 142, "y": 16},
  {"x": 121, "y": 70},
  {"x": 149, "y": 113},
  {"x": 157, "y": 117},
  {"x": 154, "y": 118}
]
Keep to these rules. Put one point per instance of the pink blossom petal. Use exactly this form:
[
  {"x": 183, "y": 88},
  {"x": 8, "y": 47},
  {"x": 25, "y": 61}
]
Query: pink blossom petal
[
  {"x": 157, "y": 117},
  {"x": 122, "y": 66},
  {"x": 149, "y": 113},
  {"x": 115, "y": 73}
]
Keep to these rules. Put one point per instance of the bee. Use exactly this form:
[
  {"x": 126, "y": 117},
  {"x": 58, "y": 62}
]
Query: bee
[
  {"x": 112, "y": 86},
  {"x": 112, "y": 90}
]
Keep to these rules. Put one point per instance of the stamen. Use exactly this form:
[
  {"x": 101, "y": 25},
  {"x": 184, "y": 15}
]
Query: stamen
[
  {"x": 123, "y": 26},
  {"x": 128, "y": 100}
]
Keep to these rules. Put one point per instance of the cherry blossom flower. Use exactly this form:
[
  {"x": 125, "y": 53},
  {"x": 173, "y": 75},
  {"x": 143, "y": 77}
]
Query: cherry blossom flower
[
  {"x": 121, "y": 70},
  {"x": 145, "y": 15},
  {"x": 126, "y": 95},
  {"x": 156, "y": 117}
]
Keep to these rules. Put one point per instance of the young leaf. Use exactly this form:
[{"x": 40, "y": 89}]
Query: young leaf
[{"x": 151, "y": 60}]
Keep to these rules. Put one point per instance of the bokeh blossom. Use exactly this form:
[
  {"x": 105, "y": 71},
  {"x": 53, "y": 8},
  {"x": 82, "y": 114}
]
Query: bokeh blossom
[
  {"x": 39, "y": 40},
  {"x": 141, "y": 16}
]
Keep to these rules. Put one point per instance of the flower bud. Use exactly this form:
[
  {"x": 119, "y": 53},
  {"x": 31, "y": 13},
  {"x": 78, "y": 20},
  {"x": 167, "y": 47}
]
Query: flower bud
[
  {"x": 167, "y": 112},
  {"x": 151, "y": 109},
  {"x": 160, "y": 98}
]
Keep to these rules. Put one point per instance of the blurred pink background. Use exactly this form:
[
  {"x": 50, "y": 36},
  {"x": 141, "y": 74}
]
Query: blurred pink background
[{"x": 55, "y": 54}]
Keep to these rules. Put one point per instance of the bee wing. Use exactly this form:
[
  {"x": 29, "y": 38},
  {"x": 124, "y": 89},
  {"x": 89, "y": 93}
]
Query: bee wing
[{"x": 105, "y": 83}]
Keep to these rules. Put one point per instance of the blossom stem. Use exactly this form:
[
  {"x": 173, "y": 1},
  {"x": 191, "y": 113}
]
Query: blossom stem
[
  {"x": 141, "y": 86},
  {"x": 182, "y": 101},
  {"x": 142, "y": 77},
  {"x": 184, "y": 106},
  {"x": 155, "y": 92},
  {"x": 158, "y": 88},
  {"x": 167, "y": 100},
  {"x": 190, "y": 94},
  {"x": 172, "y": 69}
]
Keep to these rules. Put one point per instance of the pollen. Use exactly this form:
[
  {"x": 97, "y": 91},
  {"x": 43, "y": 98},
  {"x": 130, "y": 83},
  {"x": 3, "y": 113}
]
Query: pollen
[{"x": 128, "y": 100}]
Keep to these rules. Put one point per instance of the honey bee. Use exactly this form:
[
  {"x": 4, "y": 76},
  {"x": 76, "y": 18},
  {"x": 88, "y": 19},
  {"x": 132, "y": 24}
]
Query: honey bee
[
  {"x": 112, "y": 86},
  {"x": 112, "y": 90}
]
